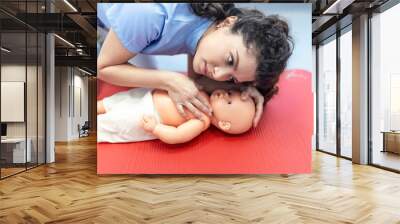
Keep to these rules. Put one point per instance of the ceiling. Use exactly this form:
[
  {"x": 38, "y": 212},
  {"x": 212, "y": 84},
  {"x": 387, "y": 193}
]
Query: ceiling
[{"x": 76, "y": 25}]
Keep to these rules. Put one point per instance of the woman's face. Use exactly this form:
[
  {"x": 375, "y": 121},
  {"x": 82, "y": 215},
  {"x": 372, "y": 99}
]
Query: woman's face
[{"x": 222, "y": 56}]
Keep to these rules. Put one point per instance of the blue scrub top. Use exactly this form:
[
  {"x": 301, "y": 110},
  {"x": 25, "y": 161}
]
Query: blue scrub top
[{"x": 154, "y": 28}]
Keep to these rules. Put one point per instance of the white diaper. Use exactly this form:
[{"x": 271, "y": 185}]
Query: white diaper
[{"x": 123, "y": 120}]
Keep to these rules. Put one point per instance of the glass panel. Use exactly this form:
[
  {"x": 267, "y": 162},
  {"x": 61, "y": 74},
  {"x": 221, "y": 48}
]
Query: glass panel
[
  {"x": 23, "y": 86},
  {"x": 327, "y": 97},
  {"x": 32, "y": 86},
  {"x": 386, "y": 89},
  {"x": 31, "y": 97},
  {"x": 346, "y": 94},
  {"x": 41, "y": 99},
  {"x": 14, "y": 153}
]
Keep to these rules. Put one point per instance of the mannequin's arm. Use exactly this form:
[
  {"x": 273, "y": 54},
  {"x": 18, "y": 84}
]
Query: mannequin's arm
[
  {"x": 175, "y": 135},
  {"x": 183, "y": 133}
]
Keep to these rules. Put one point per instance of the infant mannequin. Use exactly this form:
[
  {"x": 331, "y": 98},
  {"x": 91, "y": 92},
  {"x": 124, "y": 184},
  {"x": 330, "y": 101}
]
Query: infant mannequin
[{"x": 123, "y": 117}]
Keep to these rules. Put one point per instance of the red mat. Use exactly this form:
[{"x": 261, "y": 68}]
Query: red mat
[{"x": 280, "y": 144}]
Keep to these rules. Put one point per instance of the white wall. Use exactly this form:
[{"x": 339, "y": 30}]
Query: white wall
[
  {"x": 61, "y": 103},
  {"x": 33, "y": 127},
  {"x": 70, "y": 83},
  {"x": 80, "y": 94},
  {"x": 15, "y": 72}
]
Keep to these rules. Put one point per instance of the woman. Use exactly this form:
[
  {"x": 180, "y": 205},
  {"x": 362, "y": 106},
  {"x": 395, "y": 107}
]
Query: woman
[{"x": 228, "y": 48}]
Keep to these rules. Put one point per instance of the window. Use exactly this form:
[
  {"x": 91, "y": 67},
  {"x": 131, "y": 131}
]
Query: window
[
  {"x": 327, "y": 96},
  {"x": 385, "y": 89},
  {"x": 346, "y": 93},
  {"x": 22, "y": 67}
]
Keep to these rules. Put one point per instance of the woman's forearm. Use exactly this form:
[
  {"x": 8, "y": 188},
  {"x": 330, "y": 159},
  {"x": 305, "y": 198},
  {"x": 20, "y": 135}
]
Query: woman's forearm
[
  {"x": 113, "y": 68},
  {"x": 131, "y": 76}
]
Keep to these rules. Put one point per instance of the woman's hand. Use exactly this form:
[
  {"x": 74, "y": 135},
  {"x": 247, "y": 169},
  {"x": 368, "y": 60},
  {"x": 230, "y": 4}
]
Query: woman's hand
[
  {"x": 251, "y": 91},
  {"x": 185, "y": 93}
]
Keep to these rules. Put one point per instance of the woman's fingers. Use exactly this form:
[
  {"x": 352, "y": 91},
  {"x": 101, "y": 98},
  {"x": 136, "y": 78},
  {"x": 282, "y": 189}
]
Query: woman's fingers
[
  {"x": 200, "y": 106},
  {"x": 258, "y": 99},
  {"x": 203, "y": 104},
  {"x": 194, "y": 111},
  {"x": 185, "y": 93},
  {"x": 259, "y": 111},
  {"x": 180, "y": 109},
  {"x": 244, "y": 95}
]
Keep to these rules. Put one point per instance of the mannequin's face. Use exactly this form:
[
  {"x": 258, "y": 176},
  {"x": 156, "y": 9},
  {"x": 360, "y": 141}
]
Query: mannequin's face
[
  {"x": 223, "y": 56},
  {"x": 231, "y": 114}
]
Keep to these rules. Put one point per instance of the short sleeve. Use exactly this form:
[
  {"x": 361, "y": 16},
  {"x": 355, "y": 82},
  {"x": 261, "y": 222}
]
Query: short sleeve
[{"x": 136, "y": 25}]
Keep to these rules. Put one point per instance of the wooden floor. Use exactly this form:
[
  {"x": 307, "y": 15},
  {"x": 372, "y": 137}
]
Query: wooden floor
[
  {"x": 10, "y": 171},
  {"x": 387, "y": 159},
  {"x": 69, "y": 191}
]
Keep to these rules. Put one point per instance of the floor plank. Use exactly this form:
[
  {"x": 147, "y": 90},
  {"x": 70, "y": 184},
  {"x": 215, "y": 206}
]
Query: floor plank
[{"x": 70, "y": 191}]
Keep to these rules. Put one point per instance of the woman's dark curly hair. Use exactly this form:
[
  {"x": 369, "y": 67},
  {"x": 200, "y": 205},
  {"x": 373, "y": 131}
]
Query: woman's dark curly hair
[{"x": 267, "y": 36}]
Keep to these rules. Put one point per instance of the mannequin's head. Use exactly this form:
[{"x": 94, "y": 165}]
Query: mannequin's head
[{"x": 231, "y": 114}]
